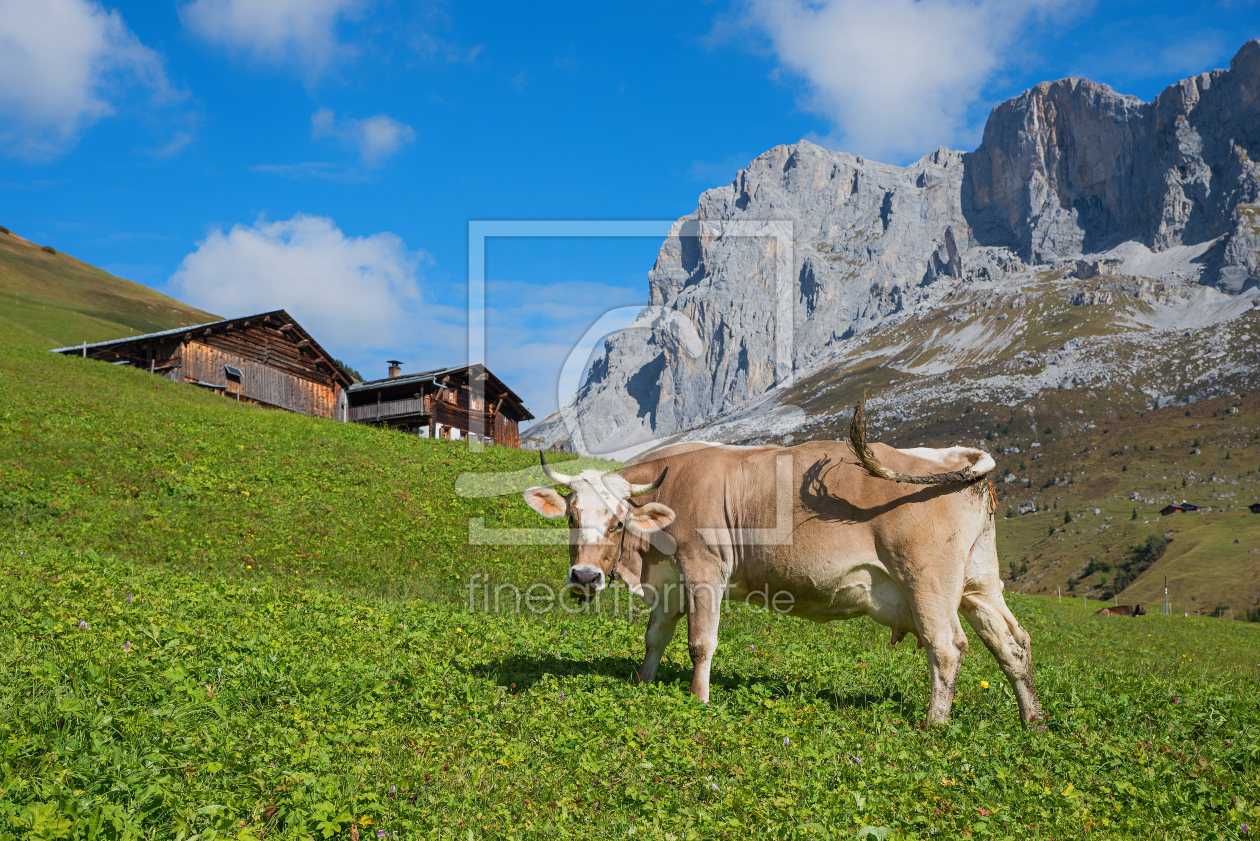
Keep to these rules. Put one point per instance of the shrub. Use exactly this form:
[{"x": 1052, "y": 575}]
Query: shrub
[
  {"x": 1067, "y": 517},
  {"x": 3, "y": 229},
  {"x": 1134, "y": 517},
  {"x": 49, "y": 249},
  {"x": 1139, "y": 558}
]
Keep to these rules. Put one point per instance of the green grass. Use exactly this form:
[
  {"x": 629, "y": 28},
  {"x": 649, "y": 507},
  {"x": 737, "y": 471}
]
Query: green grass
[
  {"x": 66, "y": 301},
  {"x": 300, "y": 642}
]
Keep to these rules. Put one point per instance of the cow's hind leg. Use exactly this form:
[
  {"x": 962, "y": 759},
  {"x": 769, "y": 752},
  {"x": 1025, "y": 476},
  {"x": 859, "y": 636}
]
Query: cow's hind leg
[
  {"x": 1010, "y": 645},
  {"x": 986, "y": 611},
  {"x": 943, "y": 637}
]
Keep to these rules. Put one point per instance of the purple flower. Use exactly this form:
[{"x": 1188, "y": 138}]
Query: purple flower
[
  {"x": 380, "y": 833},
  {"x": 84, "y": 625},
  {"x": 1245, "y": 829},
  {"x": 752, "y": 647},
  {"x": 715, "y": 788},
  {"x": 128, "y": 598},
  {"x": 565, "y": 634},
  {"x": 391, "y": 791},
  {"x": 786, "y": 740},
  {"x": 561, "y": 694},
  {"x": 858, "y": 760},
  {"x": 127, "y": 646}
]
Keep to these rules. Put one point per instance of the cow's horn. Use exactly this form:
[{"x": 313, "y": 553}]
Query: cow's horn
[
  {"x": 639, "y": 490},
  {"x": 556, "y": 478}
]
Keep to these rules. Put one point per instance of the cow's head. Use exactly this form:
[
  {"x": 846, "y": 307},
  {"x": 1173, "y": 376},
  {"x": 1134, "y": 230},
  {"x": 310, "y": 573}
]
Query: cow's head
[
  {"x": 607, "y": 529},
  {"x": 1138, "y": 611}
]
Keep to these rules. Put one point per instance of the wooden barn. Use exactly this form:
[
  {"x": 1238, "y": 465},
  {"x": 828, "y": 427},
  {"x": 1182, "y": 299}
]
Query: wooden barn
[
  {"x": 1179, "y": 508},
  {"x": 266, "y": 359},
  {"x": 452, "y": 403}
]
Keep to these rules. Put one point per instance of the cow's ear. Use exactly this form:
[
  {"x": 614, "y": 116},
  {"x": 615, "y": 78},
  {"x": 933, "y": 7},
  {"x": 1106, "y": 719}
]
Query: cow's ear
[
  {"x": 545, "y": 501},
  {"x": 650, "y": 518}
]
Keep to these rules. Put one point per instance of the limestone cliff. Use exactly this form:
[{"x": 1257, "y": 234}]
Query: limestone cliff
[{"x": 1072, "y": 182}]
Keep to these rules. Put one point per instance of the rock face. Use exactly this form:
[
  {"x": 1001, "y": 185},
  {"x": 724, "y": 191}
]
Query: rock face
[
  {"x": 1065, "y": 170},
  {"x": 1072, "y": 167}
]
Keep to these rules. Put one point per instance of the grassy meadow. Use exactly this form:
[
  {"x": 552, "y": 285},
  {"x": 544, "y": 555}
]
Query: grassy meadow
[
  {"x": 68, "y": 301},
  {"x": 222, "y": 621}
]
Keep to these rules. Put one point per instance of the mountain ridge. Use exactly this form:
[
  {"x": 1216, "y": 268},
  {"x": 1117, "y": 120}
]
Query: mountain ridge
[{"x": 1077, "y": 197}]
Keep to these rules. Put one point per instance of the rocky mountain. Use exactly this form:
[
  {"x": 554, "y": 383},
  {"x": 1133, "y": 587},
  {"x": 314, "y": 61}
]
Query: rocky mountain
[{"x": 1090, "y": 242}]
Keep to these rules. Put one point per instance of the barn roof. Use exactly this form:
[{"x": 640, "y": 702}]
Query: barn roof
[{"x": 278, "y": 315}]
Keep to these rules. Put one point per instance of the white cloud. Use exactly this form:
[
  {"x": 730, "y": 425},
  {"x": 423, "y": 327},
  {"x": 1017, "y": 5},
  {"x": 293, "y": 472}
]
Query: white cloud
[
  {"x": 64, "y": 64},
  {"x": 293, "y": 32},
  {"x": 353, "y": 293},
  {"x": 897, "y": 77},
  {"x": 376, "y": 138}
]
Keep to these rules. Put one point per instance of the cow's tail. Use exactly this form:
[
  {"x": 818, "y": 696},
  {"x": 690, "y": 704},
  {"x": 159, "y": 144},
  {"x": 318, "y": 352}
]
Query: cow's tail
[{"x": 857, "y": 436}]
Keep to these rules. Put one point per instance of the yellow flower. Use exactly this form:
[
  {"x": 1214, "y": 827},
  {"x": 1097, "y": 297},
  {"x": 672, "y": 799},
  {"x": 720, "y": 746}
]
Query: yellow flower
[
  {"x": 249, "y": 566},
  {"x": 459, "y": 630},
  {"x": 984, "y": 684}
]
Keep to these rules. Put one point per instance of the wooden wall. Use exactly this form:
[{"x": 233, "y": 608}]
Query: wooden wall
[{"x": 270, "y": 383}]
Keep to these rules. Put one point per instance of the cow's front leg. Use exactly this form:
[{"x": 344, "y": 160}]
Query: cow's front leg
[
  {"x": 660, "y": 631},
  {"x": 704, "y": 612}
]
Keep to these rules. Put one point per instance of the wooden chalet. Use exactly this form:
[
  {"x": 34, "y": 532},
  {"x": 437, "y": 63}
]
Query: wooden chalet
[
  {"x": 1255, "y": 507},
  {"x": 452, "y": 403},
  {"x": 1179, "y": 508},
  {"x": 266, "y": 359}
]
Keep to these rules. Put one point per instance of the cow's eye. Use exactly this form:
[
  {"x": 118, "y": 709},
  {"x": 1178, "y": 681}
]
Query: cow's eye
[{"x": 616, "y": 527}]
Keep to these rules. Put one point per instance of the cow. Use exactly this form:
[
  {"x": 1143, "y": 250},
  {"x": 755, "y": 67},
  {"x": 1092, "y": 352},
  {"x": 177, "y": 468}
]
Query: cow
[
  {"x": 823, "y": 530},
  {"x": 1122, "y": 610}
]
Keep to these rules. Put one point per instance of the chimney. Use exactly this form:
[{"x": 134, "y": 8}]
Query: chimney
[{"x": 395, "y": 369}]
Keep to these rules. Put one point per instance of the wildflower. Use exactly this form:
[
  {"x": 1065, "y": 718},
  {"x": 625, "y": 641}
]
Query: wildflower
[
  {"x": 858, "y": 760},
  {"x": 249, "y": 566},
  {"x": 127, "y": 647},
  {"x": 752, "y": 647},
  {"x": 715, "y": 787},
  {"x": 84, "y": 625},
  {"x": 984, "y": 684},
  {"x": 1175, "y": 699},
  {"x": 459, "y": 630},
  {"x": 129, "y": 598},
  {"x": 1245, "y": 829},
  {"x": 391, "y": 791},
  {"x": 561, "y": 694},
  {"x": 380, "y": 833},
  {"x": 786, "y": 740},
  {"x": 564, "y": 634}
]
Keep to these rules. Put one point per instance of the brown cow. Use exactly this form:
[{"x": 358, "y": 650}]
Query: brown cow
[
  {"x": 824, "y": 530},
  {"x": 1134, "y": 610}
]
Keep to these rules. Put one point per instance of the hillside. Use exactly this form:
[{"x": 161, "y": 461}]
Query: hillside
[
  {"x": 228, "y": 621},
  {"x": 67, "y": 301}
]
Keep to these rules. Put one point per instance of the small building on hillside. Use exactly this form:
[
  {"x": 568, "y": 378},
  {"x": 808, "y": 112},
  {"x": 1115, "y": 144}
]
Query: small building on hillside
[
  {"x": 266, "y": 359},
  {"x": 453, "y": 403},
  {"x": 1255, "y": 507},
  {"x": 1179, "y": 508}
]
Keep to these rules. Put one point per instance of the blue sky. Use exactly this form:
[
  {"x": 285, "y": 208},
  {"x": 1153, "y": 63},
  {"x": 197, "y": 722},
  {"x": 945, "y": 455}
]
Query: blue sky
[{"x": 327, "y": 155}]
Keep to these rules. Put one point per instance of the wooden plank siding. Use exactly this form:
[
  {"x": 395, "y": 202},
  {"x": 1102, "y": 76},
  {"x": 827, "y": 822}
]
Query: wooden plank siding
[
  {"x": 390, "y": 408},
  {"x": 262, "y": 381}
]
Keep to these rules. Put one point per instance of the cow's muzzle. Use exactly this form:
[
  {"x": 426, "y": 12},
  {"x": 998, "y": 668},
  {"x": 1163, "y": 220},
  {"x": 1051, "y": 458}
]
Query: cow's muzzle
[{"x": 585, "y": 580}]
